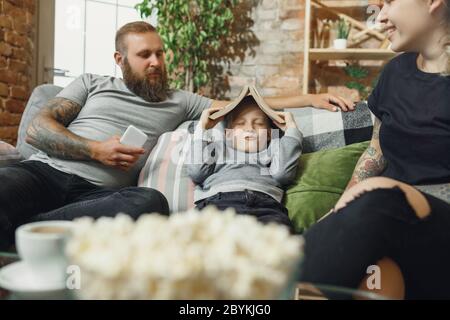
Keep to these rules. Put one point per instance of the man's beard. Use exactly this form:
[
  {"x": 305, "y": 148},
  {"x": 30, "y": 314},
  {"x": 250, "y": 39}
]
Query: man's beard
[{"x": 152, "y": 90}]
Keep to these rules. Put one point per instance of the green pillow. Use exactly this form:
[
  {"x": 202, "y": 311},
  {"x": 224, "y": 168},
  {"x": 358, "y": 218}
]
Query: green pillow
[{"x": 321, "y": 179}]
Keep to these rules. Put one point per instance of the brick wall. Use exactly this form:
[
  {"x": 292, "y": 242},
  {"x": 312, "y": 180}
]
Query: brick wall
[
  {"x": 272, "y": 58},
  {"x": 16, "y": 59},
  {"x": 277, "y": 64}
]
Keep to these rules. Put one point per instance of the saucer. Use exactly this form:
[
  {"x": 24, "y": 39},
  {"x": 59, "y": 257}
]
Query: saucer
[{"x": 17, "y": 279}]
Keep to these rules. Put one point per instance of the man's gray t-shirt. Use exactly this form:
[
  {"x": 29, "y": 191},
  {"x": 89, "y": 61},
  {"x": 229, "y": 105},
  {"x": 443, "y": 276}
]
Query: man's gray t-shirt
[{"x": 108, "y": 108}]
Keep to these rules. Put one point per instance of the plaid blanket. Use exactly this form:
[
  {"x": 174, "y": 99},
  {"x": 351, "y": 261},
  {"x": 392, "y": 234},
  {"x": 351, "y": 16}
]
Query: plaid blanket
[{"x": 324, "y": 130}]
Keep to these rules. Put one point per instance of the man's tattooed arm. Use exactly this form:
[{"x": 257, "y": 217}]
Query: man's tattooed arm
[
  {"x": 48, "y": 131},
  {"x": 372, "y": 162}
]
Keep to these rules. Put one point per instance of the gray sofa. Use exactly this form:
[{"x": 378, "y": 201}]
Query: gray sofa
[
  {"x": 39, "y": 97},
  {"x": 355, "y": 127},
  {"x": 323, "y": 130}
]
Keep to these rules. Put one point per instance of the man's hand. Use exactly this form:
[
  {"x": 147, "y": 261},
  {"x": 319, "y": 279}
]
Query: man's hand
[
  {"x": 330, "y": 102},
  {"x": 205, "y": 122},
  {"x": 114, "y": 154},
  {"x": 289, "y": 121},
  {"x": 320, "y": 101}
]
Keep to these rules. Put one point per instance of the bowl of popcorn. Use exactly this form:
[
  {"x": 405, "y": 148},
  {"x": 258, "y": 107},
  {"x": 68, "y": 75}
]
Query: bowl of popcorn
[{"x": 210, "y": 254}]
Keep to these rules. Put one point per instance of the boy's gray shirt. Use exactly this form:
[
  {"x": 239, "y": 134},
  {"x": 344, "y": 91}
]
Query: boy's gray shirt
[
  {"x": 108, "y": 108},
  {"x": 215, "y": 166}
]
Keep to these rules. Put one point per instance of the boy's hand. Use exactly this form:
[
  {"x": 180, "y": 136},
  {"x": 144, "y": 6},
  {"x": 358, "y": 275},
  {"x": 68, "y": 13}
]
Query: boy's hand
[
  {"x": 205, "y": 122},
  {"x": 288, "y": 119}
]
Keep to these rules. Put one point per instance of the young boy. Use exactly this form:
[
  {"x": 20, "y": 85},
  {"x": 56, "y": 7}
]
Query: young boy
[{"x": 247, "y": 167}]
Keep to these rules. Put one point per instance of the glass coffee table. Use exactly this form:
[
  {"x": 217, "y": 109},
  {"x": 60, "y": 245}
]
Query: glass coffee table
[
  {"x": 304, "y": 291},
  {"x": 314, "y": 291}
]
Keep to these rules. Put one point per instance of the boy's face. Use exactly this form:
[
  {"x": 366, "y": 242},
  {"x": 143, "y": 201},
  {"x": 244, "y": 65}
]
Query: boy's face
[{"x": 248, "y": 128}]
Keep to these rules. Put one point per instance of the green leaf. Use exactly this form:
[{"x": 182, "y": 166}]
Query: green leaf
[
  {"x": 356, "y": 72},
  {"x": 191, "y": 30}
]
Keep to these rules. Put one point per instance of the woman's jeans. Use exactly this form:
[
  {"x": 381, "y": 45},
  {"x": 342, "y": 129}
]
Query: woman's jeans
[{"x": 378, "y": 224}]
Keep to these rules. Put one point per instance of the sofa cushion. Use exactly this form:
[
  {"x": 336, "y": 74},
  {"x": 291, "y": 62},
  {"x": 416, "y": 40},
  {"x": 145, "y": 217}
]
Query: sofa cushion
[
  {"x": 8, "y": 154},
  {"x": 165, "y": 170},
  {"x": 324, "y": 130},
  {"x": 321, "y": 179},
  {"x": 40, "y": 96}
]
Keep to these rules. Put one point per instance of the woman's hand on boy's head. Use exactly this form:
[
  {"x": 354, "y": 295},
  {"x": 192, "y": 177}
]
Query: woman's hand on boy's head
[
  {"x": 331, "y": 102},
  {"x": 205, "y": 122},
  {"x": 289, "y": 121}
]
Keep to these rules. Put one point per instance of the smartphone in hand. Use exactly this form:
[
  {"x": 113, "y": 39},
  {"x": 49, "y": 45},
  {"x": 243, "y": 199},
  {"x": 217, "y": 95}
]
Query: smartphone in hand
[{"x": 134, "y": 137}]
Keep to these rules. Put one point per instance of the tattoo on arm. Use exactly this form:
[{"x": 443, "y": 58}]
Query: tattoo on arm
[
  {"x": 372, "y": 161},
  {"x": 48, "y": 131},
  {"x": 376, "y": 130}
]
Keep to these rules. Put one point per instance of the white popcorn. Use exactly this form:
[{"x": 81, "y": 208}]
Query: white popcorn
[{"x": 191, "y": 255}]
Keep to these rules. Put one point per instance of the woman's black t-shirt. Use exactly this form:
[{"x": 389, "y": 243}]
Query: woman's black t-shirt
[{"x": 414, "y": 109}]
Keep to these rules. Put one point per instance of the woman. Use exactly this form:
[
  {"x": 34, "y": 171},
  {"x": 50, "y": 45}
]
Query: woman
[{"x": 386, "y": 220}]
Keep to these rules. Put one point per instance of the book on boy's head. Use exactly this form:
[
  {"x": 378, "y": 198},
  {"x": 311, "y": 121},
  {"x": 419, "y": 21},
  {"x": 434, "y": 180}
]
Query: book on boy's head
[{"x": 248, "y": 91}]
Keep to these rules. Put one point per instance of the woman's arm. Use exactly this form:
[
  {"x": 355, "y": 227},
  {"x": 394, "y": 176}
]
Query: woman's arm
[{"x": 372, "y": 162}]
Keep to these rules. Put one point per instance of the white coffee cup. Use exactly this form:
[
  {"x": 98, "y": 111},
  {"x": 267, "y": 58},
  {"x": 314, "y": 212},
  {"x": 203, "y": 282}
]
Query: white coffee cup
[{"x": 41, "y": 247}]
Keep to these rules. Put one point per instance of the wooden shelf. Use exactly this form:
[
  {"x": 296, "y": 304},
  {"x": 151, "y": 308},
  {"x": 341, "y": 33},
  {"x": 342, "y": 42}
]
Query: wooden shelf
[
  {"x": 348, "y": 3},
  {"x": 362, "y": 34},
  {"x": 351, "y": 54}
]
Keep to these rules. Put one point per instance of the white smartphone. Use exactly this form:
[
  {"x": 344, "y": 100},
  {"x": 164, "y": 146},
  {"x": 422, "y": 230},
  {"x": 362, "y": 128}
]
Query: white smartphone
[{"x": 133, "y": 137}]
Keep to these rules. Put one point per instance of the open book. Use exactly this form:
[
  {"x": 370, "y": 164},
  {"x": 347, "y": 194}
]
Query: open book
[{"x": 248, "y": 91}]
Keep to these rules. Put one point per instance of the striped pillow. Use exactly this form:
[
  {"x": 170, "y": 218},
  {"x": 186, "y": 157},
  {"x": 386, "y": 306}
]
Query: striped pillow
[
  {"x": 8, "y": 154},
  {"x": 165, "y": 170}
]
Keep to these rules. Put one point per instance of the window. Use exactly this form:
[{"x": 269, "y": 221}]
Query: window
[{"x": 84, "y": 36}]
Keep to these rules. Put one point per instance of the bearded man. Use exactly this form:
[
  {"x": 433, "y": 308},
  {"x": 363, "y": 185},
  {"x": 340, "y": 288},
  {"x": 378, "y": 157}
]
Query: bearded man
[{"x": 83, "y": 169}]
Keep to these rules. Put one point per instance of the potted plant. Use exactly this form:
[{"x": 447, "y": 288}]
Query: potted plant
[
  {"x": 343, "y": 30},
  {"x": 193, "y": 32},
  {"x": 359, "y": 81}
]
